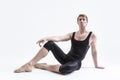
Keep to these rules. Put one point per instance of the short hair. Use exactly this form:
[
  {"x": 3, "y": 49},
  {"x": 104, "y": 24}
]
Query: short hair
[{"x": 83, "y": 15}]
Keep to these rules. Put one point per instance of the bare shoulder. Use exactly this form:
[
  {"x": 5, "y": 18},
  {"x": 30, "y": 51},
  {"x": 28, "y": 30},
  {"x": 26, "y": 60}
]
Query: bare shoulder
[
  {"x": 93, "y": 39},
  {"x": 70, "y": 34},
  {"x": 93, "y": 36}
]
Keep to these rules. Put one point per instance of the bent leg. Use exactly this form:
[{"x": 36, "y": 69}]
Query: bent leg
[
  {"x": 69, "y": 67},
  {"x": 57, "y": 52},
  {"x": 50, "y": 45},
  {"x": 61, "y": 69},
  {"x": 44, "y": 66}
]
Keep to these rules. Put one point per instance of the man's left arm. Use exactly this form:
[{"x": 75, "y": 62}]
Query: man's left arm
[{"x": 94, "y": 52}]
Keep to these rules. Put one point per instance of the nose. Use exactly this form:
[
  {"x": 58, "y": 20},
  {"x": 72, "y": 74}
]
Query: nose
[{"x": 82, "y": 20}]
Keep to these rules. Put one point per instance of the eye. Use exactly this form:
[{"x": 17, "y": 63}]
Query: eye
[
  {"x": 80, "y": 19},
  {"x": 83, "y": 19}
]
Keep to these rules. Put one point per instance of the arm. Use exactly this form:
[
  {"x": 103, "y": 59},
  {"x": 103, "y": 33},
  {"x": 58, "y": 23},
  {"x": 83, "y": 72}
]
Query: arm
[
  {"x": 55, "y": 38},
  {"x": 94, "y": 51},
  {"x": 59, "y": 38}
]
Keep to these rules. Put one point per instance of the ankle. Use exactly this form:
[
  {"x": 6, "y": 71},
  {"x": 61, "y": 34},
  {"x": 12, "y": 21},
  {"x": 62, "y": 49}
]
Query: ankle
[{"x": 30, "y": 63}]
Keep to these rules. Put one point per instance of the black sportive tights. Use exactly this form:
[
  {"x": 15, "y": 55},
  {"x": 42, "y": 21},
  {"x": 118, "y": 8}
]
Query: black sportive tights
[{"x": 69, "y": 64}]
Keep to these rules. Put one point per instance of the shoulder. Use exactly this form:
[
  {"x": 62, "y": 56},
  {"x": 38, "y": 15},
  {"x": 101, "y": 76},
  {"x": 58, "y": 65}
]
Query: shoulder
[
  {"x": 93, "y": 38},
  {"x": 93, "y": 35},
  {"x": 70, "y": 34}
]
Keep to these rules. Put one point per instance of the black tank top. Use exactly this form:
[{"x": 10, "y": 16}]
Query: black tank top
[{"x": 79, "y": 48}]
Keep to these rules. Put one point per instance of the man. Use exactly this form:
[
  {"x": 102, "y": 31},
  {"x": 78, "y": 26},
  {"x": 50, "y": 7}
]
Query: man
[{"x": 81, "y": 40}]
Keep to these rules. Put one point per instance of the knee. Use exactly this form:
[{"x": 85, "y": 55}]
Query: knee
[
  {"x": 69, "y": 67},
  {"x": 49, "y": 45},
  {"x": 66, "y": 69}
]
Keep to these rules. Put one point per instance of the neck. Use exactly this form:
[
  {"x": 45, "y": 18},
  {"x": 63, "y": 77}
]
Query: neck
[{"x": 82, "y": 31}]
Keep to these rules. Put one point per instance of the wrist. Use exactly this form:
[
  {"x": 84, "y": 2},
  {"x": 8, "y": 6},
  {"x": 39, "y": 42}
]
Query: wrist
[
  {"x": 96, "y": 66},
  {"x": 45, "y": 39}
]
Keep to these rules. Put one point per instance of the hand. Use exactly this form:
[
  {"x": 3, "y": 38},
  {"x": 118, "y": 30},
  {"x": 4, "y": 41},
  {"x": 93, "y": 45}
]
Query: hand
[
  {"x": 40, "y": 42},
  {"x": 98, "y": 67}
]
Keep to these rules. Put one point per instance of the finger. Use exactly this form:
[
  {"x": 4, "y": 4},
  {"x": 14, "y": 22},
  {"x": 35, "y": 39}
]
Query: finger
[{"x": 39, "y": 44}]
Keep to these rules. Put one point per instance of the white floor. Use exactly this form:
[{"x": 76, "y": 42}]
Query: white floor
[{"x": 85, "y": 73}]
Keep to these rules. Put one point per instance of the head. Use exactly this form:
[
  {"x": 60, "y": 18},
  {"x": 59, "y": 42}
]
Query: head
[{"x": 82, "y": 20}]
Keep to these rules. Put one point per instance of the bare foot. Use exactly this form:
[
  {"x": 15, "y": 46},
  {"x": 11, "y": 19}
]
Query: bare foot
[
  {"x": 40, "y": 65},
  {"x": 25, "y": 68}
]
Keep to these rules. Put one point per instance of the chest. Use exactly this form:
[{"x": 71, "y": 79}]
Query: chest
[{"x": 80, "y": 37}]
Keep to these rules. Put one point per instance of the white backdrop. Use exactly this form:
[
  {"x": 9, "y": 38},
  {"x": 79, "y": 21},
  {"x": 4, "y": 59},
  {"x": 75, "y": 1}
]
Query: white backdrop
[{"x": 23, "y": 22}]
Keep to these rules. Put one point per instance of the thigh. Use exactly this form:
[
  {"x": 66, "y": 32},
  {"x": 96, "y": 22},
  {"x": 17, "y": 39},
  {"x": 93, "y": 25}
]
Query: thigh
[
  {"x": 69, "y": 67},
  {"x": 57, "y": 52}
]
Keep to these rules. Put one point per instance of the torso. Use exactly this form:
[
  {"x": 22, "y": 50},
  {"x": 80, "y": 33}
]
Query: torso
[
  {"x": 80, "y": 45},
  {"x": 82, "y": 37}
]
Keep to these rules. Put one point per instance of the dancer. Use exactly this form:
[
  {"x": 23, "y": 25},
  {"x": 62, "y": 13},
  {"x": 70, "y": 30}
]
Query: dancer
[{"x": 81, "y": 40}]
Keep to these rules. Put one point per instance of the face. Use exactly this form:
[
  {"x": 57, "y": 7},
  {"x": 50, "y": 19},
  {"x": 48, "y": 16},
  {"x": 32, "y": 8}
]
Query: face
[{"x": 82, "y": 22}]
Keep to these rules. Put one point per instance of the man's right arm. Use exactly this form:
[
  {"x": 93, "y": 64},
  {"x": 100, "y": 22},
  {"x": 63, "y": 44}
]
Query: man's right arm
[
  {"x": 59, "y": 38},
  {"x": 56, "y": 38}
]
